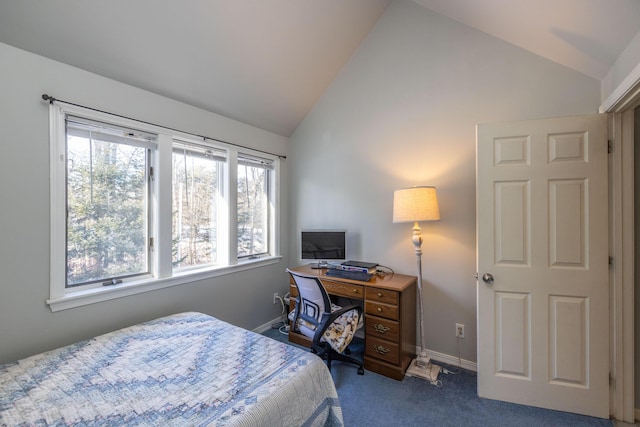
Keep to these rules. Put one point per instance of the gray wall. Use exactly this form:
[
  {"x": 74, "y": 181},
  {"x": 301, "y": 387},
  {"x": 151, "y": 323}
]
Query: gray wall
[
  {"x": 402, "y": 112},
  {"x": 27, "y": 325},
  {"x": 625, "y": 64}
]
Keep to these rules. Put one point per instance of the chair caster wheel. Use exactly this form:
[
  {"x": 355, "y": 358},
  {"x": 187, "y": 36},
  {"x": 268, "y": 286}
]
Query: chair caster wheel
[{"x": 360, "y": 370}]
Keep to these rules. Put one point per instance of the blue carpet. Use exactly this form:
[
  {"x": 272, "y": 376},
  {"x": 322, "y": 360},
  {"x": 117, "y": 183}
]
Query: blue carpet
[{"x": 374, "y": 400}]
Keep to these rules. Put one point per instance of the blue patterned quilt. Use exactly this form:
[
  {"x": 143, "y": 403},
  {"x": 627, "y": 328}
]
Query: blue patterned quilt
[{"x": 188, "y": 369}]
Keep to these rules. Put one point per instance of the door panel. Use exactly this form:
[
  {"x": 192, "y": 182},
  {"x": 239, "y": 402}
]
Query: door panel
[
  {"x": 568, "y": 340},
  {"x": 513, "y": 341},
  {"x": 512, "y": 222},
  {"x": 542, "y": 234},
  {"x": 567, "y": 213}
]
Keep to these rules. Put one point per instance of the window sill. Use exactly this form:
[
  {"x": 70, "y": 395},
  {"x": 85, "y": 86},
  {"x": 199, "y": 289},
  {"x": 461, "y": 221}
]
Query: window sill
[{"x": 95, "y": 295}]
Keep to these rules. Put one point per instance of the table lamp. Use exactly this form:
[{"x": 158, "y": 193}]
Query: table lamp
[{"x": 417, "y": 204}]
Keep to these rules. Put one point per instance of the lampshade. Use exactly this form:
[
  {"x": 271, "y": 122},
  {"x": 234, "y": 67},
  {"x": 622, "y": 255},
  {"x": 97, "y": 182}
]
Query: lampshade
[{"x": 415, "y": 204}]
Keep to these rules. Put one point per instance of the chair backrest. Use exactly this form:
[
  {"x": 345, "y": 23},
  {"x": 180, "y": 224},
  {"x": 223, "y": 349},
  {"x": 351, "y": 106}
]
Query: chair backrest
[{"x": 313, "y": 300}]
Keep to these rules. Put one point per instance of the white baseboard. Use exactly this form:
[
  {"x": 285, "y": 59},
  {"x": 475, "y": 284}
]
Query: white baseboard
[
  {"x": 451, "y": 360},
  {"x": 266, "y": 326}
]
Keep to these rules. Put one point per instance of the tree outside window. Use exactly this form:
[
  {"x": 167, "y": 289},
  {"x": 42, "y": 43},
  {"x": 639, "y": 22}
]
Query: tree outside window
[
  {"x": 106, "y": 209},
  {"x": 195, "y": 197},
  {"x": 253, "y": 209}
]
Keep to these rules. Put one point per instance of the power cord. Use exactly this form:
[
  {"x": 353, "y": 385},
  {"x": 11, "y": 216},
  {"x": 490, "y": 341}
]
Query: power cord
[
  {"x": 457, "y": 371},
  {"x": 283, "y": 325},
  {"x": 380, "y": 269}
]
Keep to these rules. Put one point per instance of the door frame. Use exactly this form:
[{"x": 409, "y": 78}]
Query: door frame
[{"x": 621, "y": 104}]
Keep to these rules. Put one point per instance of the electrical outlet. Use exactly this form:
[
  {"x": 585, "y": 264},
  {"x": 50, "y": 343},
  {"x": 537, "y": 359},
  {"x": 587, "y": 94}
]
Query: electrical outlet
[
  {"x": 459, "y": 330},
  {"x": 275, "y": 298}
]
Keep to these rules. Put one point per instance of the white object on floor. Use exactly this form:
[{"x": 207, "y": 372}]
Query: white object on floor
[{"x": 427, "y": 372}]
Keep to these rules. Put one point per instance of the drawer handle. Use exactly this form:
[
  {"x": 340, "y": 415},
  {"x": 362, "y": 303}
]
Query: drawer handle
[
  {"x": 380, "y": 328},
  {"x": 379, "y": 294},
  {"x": 379, "y": 309},
  {"x": 355, "y": 290},
  {"x": 380, "y": 349}
]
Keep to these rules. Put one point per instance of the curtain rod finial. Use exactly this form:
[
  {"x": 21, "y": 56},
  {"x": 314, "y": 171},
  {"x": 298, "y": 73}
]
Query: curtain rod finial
[{"x": 48, "y": 98}]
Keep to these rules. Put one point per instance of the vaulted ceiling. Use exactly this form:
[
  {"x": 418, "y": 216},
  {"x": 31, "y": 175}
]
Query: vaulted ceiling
[
  {"x": 585, "y": 35},
  {"x": 266, "y": 62}
]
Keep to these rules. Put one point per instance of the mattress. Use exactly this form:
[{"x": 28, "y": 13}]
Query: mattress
[{"x": 187, "y": 369}]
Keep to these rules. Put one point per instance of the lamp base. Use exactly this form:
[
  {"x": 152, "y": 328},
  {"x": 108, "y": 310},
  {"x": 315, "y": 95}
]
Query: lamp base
[
  {"x": 427, "y": 372},
  {"x": 422, "y": 360}
]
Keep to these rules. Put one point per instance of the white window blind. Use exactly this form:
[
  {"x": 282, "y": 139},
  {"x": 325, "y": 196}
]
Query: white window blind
[{"x": 85, "y": 128}]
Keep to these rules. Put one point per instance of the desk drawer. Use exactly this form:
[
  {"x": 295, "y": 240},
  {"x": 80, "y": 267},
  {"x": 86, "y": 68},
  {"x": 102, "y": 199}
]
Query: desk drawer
[
  {"x": 381, "y": 328},
  {"x": 382, "y": 310},
  {"x": 347, "y": 290},
  {"x": 382, "y": 295},
  {"x": 383, "y": 350}
]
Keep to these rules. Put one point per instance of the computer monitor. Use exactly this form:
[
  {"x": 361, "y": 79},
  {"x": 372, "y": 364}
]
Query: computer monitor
[{"x": 323, "y": 245}]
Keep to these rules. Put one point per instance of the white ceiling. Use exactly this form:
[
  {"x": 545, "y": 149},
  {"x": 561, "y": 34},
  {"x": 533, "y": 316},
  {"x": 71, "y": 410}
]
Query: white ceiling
[
  {"x": 262, "y": 62},
  {"x": 266, "y": 62}
]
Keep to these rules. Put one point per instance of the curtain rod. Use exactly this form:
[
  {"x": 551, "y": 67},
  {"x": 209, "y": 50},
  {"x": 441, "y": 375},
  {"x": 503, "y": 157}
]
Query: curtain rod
[{"x": 51, "y": 100}]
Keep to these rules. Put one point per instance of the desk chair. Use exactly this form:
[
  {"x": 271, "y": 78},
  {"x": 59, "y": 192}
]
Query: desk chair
[{"x": 330, "y": 327}]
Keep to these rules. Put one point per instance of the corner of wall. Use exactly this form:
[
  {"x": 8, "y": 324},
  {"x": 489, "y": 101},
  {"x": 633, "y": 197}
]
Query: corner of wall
[{"x": 626, "y": 64}]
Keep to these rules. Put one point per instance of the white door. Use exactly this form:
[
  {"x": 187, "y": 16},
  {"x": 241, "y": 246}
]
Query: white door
[{"x": 542, "y": 257}]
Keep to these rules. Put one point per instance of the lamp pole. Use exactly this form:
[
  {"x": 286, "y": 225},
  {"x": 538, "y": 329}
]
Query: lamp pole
[
  {"x": 417, "y": 204},
  {"x": 422, "y": 360}
]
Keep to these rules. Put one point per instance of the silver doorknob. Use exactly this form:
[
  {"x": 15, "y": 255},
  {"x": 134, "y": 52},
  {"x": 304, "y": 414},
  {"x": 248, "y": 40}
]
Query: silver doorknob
[{"x": 487, "y": 278}]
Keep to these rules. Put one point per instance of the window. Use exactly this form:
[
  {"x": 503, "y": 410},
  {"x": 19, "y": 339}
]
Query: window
[
  {"x": 196, "y": 196},
  {"x": 137, "y": 207},
  {"x": 106, "y": 189},
  {"x": 253, "y": 208}
]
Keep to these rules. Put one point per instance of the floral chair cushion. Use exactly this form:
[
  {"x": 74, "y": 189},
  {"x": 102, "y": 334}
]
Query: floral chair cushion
[{"x": 340, "y": 333}]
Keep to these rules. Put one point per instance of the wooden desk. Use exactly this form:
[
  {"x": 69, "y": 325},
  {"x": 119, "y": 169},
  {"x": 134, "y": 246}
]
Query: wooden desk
[{"x": 389, "y": 321}]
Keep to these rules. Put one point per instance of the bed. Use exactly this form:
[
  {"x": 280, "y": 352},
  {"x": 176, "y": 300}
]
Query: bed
[{"x": 187, "y": 369}]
